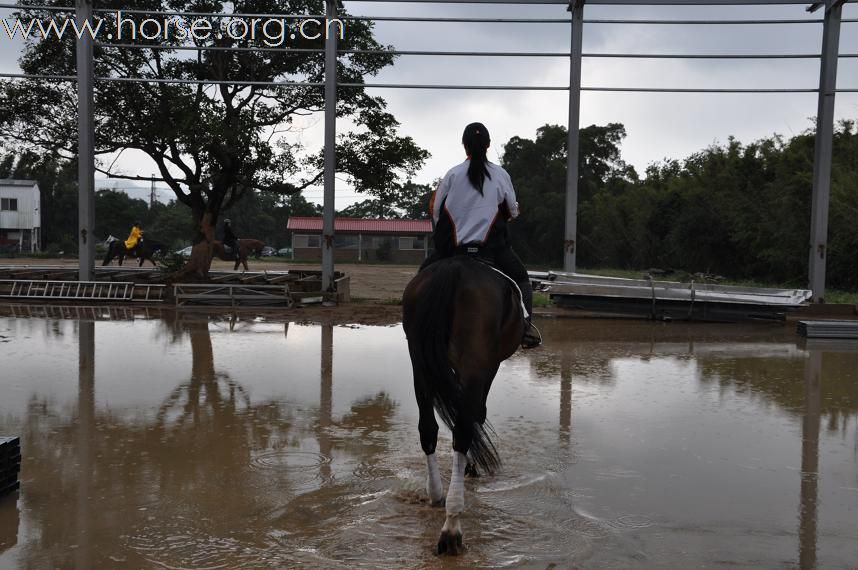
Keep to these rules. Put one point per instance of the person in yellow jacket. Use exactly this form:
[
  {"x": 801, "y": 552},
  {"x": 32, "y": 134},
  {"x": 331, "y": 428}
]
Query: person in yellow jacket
[{"x": 134, "y": 237}]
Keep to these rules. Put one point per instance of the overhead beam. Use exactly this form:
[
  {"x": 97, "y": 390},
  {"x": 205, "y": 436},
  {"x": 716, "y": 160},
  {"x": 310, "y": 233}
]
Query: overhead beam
[{"x": 613, "y": 2}]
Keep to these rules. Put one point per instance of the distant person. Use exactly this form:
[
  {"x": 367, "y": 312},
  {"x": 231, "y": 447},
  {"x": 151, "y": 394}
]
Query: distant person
[
  {"x": 229, "y": 238},
  {"x": 470, "y": 211},
  {"x": 134, "y": 237}
]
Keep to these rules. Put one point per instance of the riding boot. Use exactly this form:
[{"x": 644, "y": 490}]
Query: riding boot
[{"x": 531, "y": 337}]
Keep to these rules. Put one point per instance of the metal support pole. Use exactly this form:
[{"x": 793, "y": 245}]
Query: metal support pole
[
  {"x": 86, "y": 147},
  {"x": 330, "y": 150},
  {"x": 571, "y": 231},
  {"x": 823, "y": 149}
]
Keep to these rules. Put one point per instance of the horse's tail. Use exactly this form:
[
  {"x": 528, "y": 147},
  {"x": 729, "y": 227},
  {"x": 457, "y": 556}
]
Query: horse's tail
[{"x": 430, "y": 324}]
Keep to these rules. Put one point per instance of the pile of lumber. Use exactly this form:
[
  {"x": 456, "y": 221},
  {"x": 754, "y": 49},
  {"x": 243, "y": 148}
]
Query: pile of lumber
[{"x": 10, "y": 464}]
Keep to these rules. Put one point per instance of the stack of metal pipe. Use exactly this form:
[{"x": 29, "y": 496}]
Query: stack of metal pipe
[
  {"x": 828, "y": 329},
  {"x": 10, "y": 464}
]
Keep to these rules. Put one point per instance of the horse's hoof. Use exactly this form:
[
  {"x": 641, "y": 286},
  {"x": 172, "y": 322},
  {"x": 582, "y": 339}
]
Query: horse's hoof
[
  {"x": 439, "y": 503},
  {"x": 450, "y": 543}
]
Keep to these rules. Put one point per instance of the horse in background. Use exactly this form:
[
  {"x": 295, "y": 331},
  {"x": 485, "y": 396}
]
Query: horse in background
[
  {"x": 145, "y": 249},
  {"x": 462, "y": 319},
  {"x": 246, "y": 248}
]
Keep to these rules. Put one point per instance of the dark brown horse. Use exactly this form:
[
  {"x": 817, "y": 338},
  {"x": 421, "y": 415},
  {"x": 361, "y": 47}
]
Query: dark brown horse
[
  {"x": 462, "y": 319},
  {"x": 246, "y": 248},
  {"x": 145, "y": 249}
]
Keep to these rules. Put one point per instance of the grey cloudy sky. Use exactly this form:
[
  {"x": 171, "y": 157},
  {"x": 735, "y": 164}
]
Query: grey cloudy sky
[{"x": 659, "y": 125}]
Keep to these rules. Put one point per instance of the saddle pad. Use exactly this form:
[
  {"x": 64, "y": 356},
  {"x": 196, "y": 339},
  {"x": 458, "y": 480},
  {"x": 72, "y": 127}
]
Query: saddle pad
[{"x": 515, "y": 287}]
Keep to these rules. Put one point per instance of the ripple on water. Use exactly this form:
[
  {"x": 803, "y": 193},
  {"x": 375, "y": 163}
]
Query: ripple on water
[
  {"x": 372, "y": 471},
  {"x": 180, "y": 547},
  {"x": 301, "y": 471},
  {"x": 289, "y": 460}
]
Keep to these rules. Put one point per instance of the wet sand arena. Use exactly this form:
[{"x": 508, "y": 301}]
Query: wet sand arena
[{"x": 201, "y": 443}]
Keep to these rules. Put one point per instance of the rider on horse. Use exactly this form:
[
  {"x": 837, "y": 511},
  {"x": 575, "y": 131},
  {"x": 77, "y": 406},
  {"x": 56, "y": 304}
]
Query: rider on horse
[
  {"x": 134, "y": 237},
  {"x": 470, "y": 211},
  {"x": 229, "y": 238}
]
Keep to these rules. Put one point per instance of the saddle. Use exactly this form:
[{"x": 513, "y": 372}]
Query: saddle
[
  {"x": 231, "y": 250},
  {"x": 484, "y": 256}
]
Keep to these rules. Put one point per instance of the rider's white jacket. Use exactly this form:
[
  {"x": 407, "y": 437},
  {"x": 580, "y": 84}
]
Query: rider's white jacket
[{"x": 472, "y": 213}]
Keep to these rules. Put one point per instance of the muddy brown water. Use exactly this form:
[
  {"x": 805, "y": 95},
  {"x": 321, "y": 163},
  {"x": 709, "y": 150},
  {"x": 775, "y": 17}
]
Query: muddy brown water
[{"x": 210, "y": 442}]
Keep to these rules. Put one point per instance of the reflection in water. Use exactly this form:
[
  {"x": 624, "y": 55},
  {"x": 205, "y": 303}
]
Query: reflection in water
[
  {"x": 326, "y": 399},
  {"x": 9, "y": 520},
  {"x": 565, "y": 398},
  {"x": 86, "y": 440},
  {"x": 242, "y": 442},
  {"x": 810, "y": 460}
]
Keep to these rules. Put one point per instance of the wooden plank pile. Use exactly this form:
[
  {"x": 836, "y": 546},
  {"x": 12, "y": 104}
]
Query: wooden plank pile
[
  {"x": 828, "y": 329},
  {"x": 10, "y": 464}
]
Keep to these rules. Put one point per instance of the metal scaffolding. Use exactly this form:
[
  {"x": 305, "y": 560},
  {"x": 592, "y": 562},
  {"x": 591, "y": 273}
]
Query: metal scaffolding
[{"x": 829, "y": 55}]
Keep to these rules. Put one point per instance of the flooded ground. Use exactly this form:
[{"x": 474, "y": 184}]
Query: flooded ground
[{"x": 206, "y": 442}]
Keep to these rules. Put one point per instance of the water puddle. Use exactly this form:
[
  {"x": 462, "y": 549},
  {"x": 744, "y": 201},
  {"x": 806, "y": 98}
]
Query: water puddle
[{"x": 212, "y": 441}]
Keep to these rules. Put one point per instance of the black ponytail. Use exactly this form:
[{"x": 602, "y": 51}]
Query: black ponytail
[{"x": 476, "y": 140}]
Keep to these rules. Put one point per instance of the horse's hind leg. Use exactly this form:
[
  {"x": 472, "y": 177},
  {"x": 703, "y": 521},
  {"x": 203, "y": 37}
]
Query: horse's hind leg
[
  {"x": 450, "y": 541},
  {"x": 428, "y": 427}
]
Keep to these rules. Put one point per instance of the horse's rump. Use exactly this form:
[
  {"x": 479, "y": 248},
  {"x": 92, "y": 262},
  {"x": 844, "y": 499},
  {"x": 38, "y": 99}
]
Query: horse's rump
[{"x": 460, "y": 317}]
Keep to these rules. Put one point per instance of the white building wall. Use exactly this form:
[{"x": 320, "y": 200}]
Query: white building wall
[{"x": 28, "y": 217}]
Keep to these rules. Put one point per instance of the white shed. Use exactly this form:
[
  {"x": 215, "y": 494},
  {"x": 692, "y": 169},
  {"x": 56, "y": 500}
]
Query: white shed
[{"x": 20, "y": 214}]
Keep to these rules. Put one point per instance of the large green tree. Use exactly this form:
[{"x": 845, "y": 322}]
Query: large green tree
[
  {"x": 406, "y": 201},
  {"x": 212, "y": 143},
  {"x": 538, "y": 170}
]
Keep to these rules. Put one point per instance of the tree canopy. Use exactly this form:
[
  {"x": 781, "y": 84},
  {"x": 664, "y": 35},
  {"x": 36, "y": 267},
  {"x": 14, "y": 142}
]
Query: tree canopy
[
  {"x": 212, "y": 143},
  {"x": 738, "y": 210}
]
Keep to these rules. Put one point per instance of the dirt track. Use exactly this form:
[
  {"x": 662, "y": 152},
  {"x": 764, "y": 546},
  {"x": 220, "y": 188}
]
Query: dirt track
[{"x": 368, "y": 282}]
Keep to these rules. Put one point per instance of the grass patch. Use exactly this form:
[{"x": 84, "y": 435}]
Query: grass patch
[
  {"x": 845, "y": 297},
  {"x": 541, "y": 300}
]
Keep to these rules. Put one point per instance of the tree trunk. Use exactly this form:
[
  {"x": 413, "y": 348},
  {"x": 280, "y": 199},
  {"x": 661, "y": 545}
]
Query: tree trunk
[{"x": 197, "y": 267}]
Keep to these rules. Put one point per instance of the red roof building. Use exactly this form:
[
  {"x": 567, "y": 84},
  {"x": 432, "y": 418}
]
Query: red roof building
[{"x": 359, "y": 239}]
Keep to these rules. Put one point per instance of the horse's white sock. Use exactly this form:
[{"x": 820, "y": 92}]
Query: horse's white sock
[
  {"x": 456, "y": 493},
  {"x": 433, "y": 480}
]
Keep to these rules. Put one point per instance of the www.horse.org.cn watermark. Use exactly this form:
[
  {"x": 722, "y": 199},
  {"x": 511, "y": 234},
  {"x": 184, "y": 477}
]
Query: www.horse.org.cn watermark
[{"x": 272, "y": 32}]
